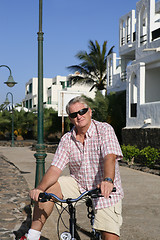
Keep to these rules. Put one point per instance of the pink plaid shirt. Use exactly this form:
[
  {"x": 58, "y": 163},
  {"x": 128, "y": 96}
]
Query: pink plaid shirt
[{"x": 86, "y": 160}]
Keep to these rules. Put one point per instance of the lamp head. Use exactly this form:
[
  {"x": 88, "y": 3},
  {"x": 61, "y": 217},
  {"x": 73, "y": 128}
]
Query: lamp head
[{"x": 10, "y": 82}]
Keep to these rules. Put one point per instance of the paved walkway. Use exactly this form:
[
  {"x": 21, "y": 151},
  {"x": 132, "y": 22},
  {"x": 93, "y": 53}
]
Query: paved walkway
[{"x": 141, "y": 205}]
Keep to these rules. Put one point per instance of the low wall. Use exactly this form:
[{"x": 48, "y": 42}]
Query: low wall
[
  {"x": 51, "y": 147},
  {"x": 142, "y": 137},
  {"x": 22, "y": 143}
]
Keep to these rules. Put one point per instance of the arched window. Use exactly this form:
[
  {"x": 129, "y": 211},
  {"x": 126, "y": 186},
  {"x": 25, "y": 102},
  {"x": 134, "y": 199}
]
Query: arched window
[{"x": 143, "y": 25}]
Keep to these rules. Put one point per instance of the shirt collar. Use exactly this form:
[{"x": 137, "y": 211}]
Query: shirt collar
[
  {"x": 89, "y": 132},
  {"x": 91, "y": 129}
]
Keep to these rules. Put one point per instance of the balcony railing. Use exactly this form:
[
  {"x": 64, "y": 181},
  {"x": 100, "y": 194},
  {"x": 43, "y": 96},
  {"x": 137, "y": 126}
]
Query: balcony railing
[
  {"x": 123, "y": 76},
  {"x": 110, "y": 81},
  {"x": 143, "y": 38},
  {"x": 122, "y": 41},
  {"x": 128, "y": 38}
]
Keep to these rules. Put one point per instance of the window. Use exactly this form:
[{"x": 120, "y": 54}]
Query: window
[
  {"x": 133, "y": 109},
  {"x": 133, "y": 95},
  {"x": 27, "y": 104},
  {"x": 69, "y": 83},
  {"x": 30, "y": 103},
  {"x": 30, "y": 88},
  {"x": 128, "y": 29},
  {"x": 152, "y": 85},
  {"x": 63, "y": 84},
  {"x": 49, "y": 100},
  {"x": 143, "y": 26},
  {"x": 123, "y": 33}
]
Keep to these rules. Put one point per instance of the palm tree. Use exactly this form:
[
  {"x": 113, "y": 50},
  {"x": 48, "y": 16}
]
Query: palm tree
[
  {"x": 110, "y": 108},
  {"x": 93, "y": 68}
]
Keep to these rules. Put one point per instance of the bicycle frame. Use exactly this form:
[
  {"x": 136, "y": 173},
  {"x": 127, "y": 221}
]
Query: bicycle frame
[
  {"x": 94, "y": 234},
  {"x": 73, "y": 227},
  {"x": 72, "y": 220}
]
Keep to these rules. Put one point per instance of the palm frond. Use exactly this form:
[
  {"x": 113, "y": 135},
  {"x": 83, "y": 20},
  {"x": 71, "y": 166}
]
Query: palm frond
[
  {"x": 92, "y": 87},
  {"x": 104, "y": 48},
  {"x": 93, "y": 66},
  {"x": 110, "y": 51},
  {"x": 78, "y": 68},
  {"x": 81, "y": 55},
  {"x": 92, "y": 46}
]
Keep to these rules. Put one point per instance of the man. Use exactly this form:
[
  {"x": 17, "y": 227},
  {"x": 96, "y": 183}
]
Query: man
[{"x": 92, "y": 151}]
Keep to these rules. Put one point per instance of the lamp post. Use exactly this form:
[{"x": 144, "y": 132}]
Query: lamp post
[
  {"x": 7, "y": 102},
  {"x": 40, "y": 154},
  {"x": 10, "y": 82}
]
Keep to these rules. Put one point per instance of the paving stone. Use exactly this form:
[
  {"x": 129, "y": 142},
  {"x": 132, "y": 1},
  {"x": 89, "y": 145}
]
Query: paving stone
[{"x": 13, "y": 198}]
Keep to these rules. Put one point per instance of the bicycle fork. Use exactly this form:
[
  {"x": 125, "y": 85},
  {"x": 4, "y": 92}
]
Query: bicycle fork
[{"x": 72, "y": 221}]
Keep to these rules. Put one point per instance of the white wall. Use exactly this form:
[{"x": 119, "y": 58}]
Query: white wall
[{"x": 51, "y": 88}]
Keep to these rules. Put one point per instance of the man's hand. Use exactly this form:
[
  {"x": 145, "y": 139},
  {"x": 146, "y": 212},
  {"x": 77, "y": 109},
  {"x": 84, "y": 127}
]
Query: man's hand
[
  {"x": 106, "y": 188},
  {"x": 48, "y": 180},
  {"x": 34, "y": 194}
]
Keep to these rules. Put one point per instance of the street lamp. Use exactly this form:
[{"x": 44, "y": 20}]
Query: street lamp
[
  {"x": 10, "y": 82},
  {"x": 6, "y": 103},
  {"x": 40, "y": 154}
]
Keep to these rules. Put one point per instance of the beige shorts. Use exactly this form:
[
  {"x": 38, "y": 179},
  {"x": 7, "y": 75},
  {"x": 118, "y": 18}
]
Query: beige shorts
[{"x": 106, "y": 219}]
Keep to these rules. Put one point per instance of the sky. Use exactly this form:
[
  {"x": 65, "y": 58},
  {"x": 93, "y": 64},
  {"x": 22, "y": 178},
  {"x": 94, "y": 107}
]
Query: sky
[{"x": 68, "y": 25}]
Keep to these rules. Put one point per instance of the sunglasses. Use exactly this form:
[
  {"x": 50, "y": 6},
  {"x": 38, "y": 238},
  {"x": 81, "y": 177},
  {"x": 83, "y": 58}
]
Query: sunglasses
[{"x": 80, "y": 112}]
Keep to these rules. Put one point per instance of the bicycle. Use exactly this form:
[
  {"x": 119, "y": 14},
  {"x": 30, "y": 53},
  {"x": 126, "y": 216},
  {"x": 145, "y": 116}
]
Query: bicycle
[{"x": 73, "y": 234}]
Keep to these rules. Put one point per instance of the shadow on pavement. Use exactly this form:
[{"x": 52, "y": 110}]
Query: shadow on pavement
[{"x": 25, "y": 226}]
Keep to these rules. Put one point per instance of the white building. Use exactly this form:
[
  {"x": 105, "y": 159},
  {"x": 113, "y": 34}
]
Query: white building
[
  {"x": 51, "y": 89},
  {"x": 139, "y": 70}
]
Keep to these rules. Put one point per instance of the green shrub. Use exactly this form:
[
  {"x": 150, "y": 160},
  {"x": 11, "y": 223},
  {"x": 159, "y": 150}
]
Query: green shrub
[
  {"x": 130, "y": 152},
  {"x": 148, "y": 156},
  {"x": 151, "y": 154}
]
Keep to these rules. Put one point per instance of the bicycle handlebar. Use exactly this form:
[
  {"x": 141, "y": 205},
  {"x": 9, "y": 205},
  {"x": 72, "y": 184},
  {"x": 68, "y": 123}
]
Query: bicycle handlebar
[{"x": 94, "y": 193}]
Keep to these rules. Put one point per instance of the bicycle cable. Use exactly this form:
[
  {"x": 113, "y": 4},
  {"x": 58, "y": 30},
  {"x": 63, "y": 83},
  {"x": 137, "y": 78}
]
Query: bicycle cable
[{"x": 60, "y": 218}]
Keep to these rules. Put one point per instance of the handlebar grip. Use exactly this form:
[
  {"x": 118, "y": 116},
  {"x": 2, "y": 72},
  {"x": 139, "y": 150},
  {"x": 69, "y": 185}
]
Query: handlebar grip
[
  {"x": 97, "y": 192},
  {"x": 43, "y": 197}
]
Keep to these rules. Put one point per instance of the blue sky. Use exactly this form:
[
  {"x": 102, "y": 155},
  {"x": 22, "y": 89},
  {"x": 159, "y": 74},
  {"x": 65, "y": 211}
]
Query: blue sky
[{"x": 68, "y": 25}]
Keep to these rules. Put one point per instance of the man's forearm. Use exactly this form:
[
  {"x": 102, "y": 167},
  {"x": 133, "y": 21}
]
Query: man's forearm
[
  {"x": 50, "y": 178},
  {"x": 109, "y": 172},
  {"x": 109, "y": 166}
]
